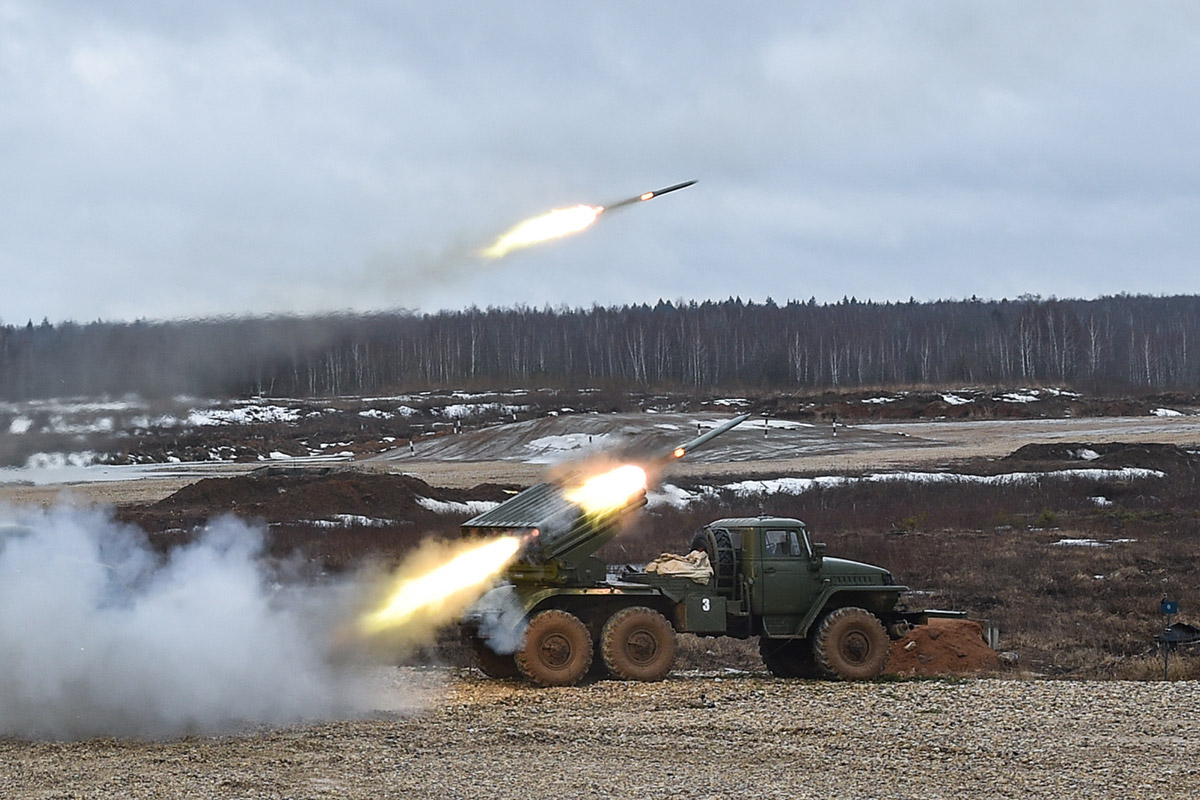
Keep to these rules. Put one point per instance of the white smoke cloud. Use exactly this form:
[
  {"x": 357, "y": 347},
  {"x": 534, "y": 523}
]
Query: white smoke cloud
[
  {"x": 500, "y": 619},
  {"x": 101, "y": 636}
]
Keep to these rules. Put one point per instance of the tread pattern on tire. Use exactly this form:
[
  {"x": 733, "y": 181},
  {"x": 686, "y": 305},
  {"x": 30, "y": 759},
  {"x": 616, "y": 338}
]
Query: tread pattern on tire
[
  {"x": 851, "y": 644},
  {"x": 557, "y": 649},
  {"x": 491, "y": 663},
  {"x": 638, "y": 644}
]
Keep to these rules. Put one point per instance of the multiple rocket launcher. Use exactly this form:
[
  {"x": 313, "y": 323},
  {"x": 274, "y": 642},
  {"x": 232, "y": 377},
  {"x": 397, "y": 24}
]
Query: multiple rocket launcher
[{"x": 556, "y": 528}]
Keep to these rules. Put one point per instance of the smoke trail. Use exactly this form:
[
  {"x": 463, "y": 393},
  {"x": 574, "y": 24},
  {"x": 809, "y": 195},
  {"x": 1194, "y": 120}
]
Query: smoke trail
[{"x": 100, "y": 636}]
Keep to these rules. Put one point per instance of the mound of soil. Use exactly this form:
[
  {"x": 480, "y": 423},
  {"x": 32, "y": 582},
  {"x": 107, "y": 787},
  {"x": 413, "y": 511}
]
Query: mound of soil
[
  {"x": 293, "y": 497},
  {"x": 1167, "y": 458},
  {"x": 336, "y": 518},
  {"x": 943, "y": 647}
]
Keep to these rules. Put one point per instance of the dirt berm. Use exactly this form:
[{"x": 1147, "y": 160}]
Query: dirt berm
[{"x": 944, "y": 647}]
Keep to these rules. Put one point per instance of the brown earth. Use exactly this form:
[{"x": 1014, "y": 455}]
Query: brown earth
[
  {"x": 333, "y": 518},
  {"x": 944, "y": 647}
]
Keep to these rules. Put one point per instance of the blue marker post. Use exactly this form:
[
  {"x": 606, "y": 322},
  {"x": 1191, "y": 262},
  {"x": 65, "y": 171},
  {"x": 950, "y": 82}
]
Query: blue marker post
[{"x": 1168, "y": 608}]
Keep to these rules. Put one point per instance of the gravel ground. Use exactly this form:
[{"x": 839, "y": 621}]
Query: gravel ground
[{"x": 691, "y": 736}]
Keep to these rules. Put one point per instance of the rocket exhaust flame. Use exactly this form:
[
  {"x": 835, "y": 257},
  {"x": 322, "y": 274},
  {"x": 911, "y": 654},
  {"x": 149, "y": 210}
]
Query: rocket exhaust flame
[
  {"x": 551, "y": 225},
  {"x": 562, "y": 222},
  {"x": 608, "y": 490},
  {"x": 436, "y": 595},
  {"x": 434, "y": 588}
]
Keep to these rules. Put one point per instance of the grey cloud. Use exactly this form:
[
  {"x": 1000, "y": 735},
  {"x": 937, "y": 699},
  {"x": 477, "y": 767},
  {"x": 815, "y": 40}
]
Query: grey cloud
[{"x": 249, "y": 158}]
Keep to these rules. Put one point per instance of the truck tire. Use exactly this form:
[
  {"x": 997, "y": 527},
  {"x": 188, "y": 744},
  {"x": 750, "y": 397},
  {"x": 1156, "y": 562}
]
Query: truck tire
[
  {"x": 557, "y": 649},
  {"x": 491, "y": 663},
  {"x": 788, "y": 658},
  {"x": 638, "y": 644},
  {"x": 851, "y": 645}
]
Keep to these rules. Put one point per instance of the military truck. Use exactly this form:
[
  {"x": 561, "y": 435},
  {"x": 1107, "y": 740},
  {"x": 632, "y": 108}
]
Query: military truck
[{"x": 813, "y": 615}]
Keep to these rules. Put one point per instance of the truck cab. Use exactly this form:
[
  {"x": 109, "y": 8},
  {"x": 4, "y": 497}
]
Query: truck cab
[{"x": 784, "y": 579}]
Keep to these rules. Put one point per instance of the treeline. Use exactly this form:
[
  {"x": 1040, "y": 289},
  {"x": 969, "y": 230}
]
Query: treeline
[{"x": 1113, "y": 343}]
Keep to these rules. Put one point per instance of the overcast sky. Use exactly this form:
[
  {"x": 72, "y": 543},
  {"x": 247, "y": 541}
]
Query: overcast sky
[{"x": 164, "y": 160}]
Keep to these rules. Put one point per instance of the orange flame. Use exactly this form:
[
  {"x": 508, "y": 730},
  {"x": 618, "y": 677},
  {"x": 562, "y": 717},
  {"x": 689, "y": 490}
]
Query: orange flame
[
  {"x": 551, "y": 225},
  {"x": 609, "y": 490},
  {"x": 437, "y": 595}
]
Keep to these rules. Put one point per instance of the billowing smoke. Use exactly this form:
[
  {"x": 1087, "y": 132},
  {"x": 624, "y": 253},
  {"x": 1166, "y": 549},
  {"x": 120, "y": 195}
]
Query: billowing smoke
[
  {"x": 501, "y": 619},
  {"x": 101, "y": 636}
]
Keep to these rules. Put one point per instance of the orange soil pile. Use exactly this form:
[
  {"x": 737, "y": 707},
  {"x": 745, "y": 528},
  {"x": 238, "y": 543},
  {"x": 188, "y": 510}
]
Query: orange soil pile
[{"x": 943, "y": 647}]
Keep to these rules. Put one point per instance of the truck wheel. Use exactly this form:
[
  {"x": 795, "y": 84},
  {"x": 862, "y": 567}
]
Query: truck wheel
[
  {"x": 851, "y": 645},
  {"x": 491, "y": 663},
  {"x": 788, "y": 658},
  {"x": 557, "y": 650},
  {"x": 638, "y": 644}
]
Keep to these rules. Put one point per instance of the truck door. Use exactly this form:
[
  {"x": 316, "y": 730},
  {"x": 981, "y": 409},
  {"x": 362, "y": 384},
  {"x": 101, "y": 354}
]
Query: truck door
[{"x": 788, "y": 587}]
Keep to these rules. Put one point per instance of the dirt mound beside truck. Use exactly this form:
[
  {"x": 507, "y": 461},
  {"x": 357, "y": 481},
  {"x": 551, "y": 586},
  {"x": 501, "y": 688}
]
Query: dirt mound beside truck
[{"x": 943, "y": 647}]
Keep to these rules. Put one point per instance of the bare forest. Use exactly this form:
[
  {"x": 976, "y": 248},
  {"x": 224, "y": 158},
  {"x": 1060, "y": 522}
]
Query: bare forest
[{"x": 1110, "y": 344}]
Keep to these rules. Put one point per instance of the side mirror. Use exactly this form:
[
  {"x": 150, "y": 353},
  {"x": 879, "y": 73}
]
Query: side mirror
[{"x": 818, "y": 555}]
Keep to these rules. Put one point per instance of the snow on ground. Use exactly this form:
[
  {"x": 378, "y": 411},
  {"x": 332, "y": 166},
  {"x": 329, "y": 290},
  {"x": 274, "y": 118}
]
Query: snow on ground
[
  {"x": 472, "y": 507},
  {"x": 671, "y": 495},
  {"x": 1019, "y": 397},
  {"x": 345, "y": 521},
  {"x": 780, "y": 424},
  {"x": 1086, "y": 454},
  {"x": 1090, "y": 542},
  {"x": 555, "y": 448},
  {"x": 19, "y": 425},
  {"x": 955, "y": 400},
  {"x": 248, "y": 415},
  {"x": 465, "y": 410},
  {"x": 1166, "y": 412},
  {"x": 73, "y": 406}
]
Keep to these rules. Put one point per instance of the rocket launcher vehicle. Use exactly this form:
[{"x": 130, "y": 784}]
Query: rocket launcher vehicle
[{"x": 561, "y": 535}]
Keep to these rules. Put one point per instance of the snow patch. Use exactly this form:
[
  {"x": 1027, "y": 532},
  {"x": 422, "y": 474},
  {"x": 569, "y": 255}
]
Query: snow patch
[
  {"x": 250, "y": 415},
  {"x": 1018, "y": 397},
  {"x": 673, "y": 496},
  {"x": 20, "y": 425},
  {"x": 472, "y": 507},
  {"x": 955, "y": 400},
  {"x": 1090, "y": 542},
  {"x": 756, "y": 488},
  {"x": 553, "y": 448},
  {"x": 1166, "y": 412}
]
